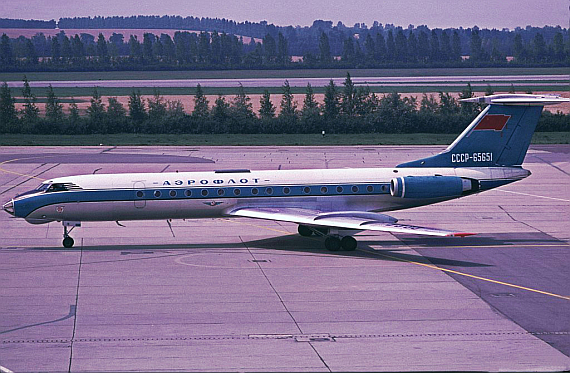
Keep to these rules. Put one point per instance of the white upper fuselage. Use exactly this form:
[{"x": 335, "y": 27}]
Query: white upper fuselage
[{"x": 280, "y": 177}]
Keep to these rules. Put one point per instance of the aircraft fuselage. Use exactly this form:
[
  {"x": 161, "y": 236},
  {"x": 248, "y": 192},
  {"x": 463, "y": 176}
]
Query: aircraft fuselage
[{"x": 187, "y": 195}]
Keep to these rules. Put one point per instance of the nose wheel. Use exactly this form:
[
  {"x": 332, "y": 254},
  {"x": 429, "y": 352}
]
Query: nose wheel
[
  {"x": 67, "y": 239},
  {"x": 68, "y": 242}
]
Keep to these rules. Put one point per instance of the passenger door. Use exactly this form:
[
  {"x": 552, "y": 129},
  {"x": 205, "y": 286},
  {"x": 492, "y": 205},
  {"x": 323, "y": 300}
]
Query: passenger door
[{"x": 140, "y": 194}]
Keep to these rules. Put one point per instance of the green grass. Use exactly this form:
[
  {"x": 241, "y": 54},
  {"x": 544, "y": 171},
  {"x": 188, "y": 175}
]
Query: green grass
[
  {"x": 41, "y": 99},
  {"x": 301, "y": 73},
  {"x": 125, "y": 91},
  {"x": 253, "y": 140}
]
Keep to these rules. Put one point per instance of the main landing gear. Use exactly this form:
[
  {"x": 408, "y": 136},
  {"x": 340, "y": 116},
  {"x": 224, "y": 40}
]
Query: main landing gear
[
  {"x": 67, "y": 239},
  {"x": 332, "y": 242}
]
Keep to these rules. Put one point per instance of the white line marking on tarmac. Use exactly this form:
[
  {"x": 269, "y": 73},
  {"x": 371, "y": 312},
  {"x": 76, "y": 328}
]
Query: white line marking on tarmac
[
  {"x": 5, "y": 370},
  {"x": 534, "y": 195}
]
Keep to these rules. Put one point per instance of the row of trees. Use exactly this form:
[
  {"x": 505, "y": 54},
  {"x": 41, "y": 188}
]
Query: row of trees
[
  {"x": 346, "y": 109},
  {"x": 394, "y": 47},
  {"x": 257, "y": 29},
  {"x": 26, "y": 23},
  {"x": 302, "y": 39}
]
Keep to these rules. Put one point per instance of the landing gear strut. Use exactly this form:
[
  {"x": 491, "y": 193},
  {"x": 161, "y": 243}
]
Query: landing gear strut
[{"x": 67, "y": 239}]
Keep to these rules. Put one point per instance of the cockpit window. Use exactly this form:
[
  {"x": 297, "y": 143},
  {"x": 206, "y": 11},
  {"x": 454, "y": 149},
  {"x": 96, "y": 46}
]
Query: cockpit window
[
  {"x": 57, "y": 187},
  {"x": 62, "y": 187},
  {"x": 42, "y": 187},
  {"x": 49, "y": 187}
]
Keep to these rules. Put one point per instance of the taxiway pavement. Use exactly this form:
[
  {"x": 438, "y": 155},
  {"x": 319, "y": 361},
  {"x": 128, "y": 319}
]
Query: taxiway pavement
[
  {"x": 251, "y": 295},
  {"x": 386, "y": 81}
]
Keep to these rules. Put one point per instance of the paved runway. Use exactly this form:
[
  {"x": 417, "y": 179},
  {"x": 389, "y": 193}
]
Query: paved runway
[{"x": 251, "y": 295}]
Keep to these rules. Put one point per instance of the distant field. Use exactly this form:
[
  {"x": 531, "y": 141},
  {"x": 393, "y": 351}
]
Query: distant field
[
  {"x": 301, "y": 73},
  {"x": 139, "y": 33},
  {"x": 255, "y": 140}
]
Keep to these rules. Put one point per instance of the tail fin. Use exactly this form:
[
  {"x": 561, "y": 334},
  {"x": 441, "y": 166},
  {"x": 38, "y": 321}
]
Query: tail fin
[{"x": 499, "y": 136}]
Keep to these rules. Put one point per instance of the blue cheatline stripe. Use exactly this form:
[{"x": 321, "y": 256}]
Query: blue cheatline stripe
[{"x": 27, "y": 205}]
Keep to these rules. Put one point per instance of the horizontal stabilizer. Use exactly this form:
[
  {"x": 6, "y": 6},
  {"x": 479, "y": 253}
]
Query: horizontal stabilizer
[
  {"x": 518, "y": 99},
  {"x": 342, "y": 220}
]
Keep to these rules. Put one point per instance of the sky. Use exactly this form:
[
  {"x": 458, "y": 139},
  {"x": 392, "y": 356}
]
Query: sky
[{"x": 433, "y": 13}]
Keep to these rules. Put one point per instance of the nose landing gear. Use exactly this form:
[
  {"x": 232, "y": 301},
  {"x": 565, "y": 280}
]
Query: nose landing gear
[
  {"x": 67, "y": 239},
  {"x": 68, "y": 242}
]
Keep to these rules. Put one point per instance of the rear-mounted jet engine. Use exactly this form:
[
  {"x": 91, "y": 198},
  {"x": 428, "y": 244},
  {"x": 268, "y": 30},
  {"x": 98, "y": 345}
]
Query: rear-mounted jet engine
[{"x": 432, "y": 186}]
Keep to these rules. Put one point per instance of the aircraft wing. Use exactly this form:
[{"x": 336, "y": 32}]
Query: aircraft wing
[{"x": 340, "y": 219}]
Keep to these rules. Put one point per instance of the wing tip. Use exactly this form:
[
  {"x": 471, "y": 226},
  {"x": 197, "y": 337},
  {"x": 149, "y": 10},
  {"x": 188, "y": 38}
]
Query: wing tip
[{"x": 461, "y": 234}]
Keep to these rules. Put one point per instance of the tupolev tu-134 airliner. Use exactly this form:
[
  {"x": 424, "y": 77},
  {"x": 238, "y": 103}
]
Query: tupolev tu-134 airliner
[{"x": 334, "y": 203}]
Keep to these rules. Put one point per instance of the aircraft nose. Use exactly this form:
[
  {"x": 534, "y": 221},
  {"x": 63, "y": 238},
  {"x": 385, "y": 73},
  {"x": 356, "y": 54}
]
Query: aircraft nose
[{"x": 9, "y": 207}]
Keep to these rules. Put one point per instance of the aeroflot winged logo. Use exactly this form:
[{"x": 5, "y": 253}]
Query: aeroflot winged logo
[{"x": 495, "y": 122}]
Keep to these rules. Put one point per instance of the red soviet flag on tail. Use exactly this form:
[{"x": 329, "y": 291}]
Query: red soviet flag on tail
[{"x": 495, "y": 122}]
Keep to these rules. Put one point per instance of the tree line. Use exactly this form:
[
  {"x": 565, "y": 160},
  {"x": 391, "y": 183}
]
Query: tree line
[
  {"x": 257, "y": 29},
  {"x": 325, "y": 47},
  {"x": 302, "y": 39},
  {"x": 27, "y": 23},
  {"x": 345, "y": 109}
]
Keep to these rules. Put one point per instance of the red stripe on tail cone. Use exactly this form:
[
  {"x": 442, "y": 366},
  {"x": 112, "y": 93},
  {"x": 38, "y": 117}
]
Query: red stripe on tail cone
[
  {"x": 494, "y": 122},
  {"x": 462, "y": 234}
]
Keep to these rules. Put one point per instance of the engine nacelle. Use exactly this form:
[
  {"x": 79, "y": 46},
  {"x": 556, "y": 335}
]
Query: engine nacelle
[{"x": 431, "y": 186}]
